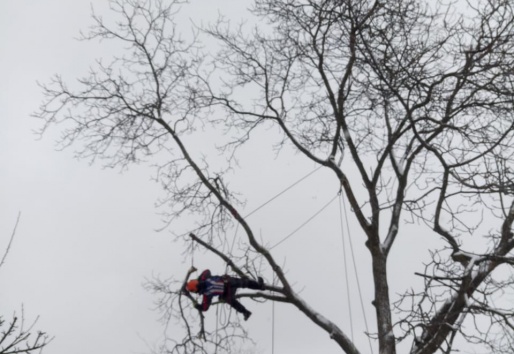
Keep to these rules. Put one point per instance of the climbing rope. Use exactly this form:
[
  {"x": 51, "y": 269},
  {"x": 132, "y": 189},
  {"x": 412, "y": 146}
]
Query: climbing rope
[
  {"x": 342, "y": 208},
  {"x": 217, "y": 334},
  {"x": 234, "y": 239},
  {"x": 346, "y": 267},
  {"x": 272, "y": 199},
  {"x": 282, "y": 192},
  {"x": 192, "y": 253},
  {"x": 222, "y": 320},
  {"x": 273, "y": 320},
  {"x": 305, "y": 223},
  {"x": 355, "y": 271},
  {"x": 266, "y": 202}
]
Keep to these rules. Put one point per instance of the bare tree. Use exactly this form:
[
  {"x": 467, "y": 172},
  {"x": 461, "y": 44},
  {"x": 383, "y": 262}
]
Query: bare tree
[
  {"x": 16, "y": 336},
  {"x": 415, "y": 96}
]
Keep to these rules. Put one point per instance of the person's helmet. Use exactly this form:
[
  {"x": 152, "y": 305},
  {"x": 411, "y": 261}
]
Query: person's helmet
[{"x": 192, "y": 285}]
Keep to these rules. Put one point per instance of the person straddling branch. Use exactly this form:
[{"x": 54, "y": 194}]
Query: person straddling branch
[{"x": 224, "y": 287}]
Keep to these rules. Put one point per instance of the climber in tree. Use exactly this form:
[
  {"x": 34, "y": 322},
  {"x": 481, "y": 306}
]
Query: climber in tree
[{"x": 224, "y": 287}]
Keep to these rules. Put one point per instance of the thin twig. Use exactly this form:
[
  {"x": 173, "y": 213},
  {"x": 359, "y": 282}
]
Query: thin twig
[{"x": 11, "y": 240}]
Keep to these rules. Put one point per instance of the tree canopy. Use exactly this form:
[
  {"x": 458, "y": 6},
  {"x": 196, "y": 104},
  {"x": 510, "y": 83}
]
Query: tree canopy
[{"x": 408, "y": 103}]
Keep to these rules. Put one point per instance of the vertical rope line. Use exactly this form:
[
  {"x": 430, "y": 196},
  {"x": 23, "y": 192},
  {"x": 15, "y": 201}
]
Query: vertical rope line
[
  {"x": 192, "y": 253},
  {"x": 234, "y": 239},
  {"x": 217, "y": 334},
  {"x": 273, "y": 321},
  {"x": 232, "y": 247},
  {"x": 346, "y": 268},
  {"x": 356, "y": 274}
]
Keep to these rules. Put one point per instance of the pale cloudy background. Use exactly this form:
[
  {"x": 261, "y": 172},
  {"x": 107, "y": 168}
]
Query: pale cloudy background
[{"x": 86, "y": 239}]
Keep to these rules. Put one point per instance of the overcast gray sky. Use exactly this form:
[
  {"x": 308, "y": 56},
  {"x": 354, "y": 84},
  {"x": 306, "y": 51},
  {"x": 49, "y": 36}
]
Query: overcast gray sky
[{"x": 86, "y": 239}]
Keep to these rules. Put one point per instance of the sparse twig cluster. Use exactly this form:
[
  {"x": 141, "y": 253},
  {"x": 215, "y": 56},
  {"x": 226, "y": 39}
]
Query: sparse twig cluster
[{"x": 16, "y": 336}]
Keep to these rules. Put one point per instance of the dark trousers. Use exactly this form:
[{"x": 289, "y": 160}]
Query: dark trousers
[{"x": 231, "y": 286}]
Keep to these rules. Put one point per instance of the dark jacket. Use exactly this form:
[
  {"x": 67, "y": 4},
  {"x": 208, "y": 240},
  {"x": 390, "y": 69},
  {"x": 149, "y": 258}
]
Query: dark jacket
[{"x": 210, "y": 286}]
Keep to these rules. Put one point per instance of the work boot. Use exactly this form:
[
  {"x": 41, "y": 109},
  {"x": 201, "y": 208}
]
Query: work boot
[
  {"x": 247, "y": 315},
  {"x": 261, "y": 283}
]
